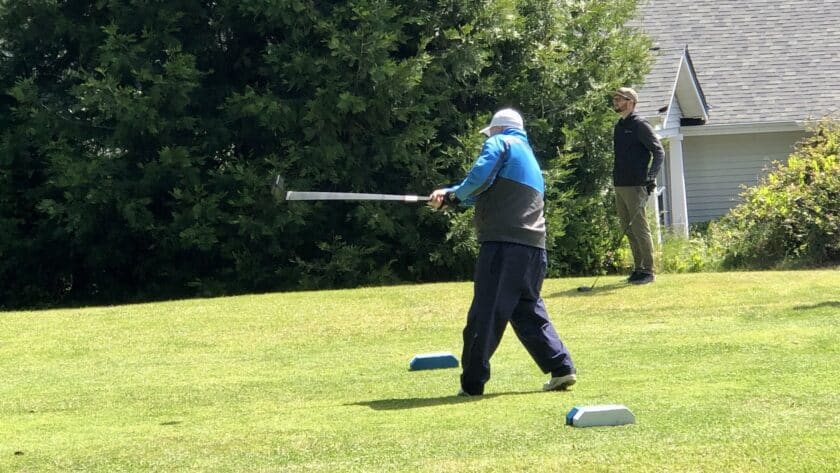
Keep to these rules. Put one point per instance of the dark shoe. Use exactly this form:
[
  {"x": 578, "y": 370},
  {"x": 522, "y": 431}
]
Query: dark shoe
[
  {"x": 645, "y": 278},
  {"x": 635, "y": 276}
]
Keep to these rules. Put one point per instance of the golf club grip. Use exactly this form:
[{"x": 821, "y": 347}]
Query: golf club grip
[{"x": 298, "y": 195}]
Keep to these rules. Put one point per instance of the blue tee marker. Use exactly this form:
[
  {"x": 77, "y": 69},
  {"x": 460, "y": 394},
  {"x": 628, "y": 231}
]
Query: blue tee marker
[{"x": 433, "y": 361}]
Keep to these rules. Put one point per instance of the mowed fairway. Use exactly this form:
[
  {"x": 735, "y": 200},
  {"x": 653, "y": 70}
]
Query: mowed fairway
[{"x": 725, "y": 372}]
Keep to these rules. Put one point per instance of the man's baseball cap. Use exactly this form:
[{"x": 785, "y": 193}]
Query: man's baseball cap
[
  {"x": 506, "y": 117},
  {"x": 627, "y": 93}
]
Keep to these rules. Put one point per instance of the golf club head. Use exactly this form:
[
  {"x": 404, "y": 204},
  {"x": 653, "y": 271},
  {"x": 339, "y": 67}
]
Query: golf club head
[
  {"x": 584, "y": 289},
  {"x": 278, "y": 188}
]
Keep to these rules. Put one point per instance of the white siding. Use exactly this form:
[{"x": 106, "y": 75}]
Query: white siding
[
  {"x": 717, "y": 166},
  {"x": 674, "y": 115}
]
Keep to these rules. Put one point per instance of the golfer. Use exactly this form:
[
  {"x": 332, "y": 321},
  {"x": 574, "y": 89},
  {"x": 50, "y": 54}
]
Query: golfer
[
  {"x": 634, "y": 178},
  {"x": 506, "y": 186}
]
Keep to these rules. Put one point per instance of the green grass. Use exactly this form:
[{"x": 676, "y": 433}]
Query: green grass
[{"x": 725, "y": 372}]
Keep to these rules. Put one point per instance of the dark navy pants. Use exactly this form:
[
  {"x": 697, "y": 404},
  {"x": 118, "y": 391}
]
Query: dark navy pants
[{"x": 508, "y": 280}]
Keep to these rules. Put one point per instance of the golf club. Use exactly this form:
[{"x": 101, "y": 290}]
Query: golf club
[
  {"x": 623, "y": 231},
  {"x": 278, "y": 190}
]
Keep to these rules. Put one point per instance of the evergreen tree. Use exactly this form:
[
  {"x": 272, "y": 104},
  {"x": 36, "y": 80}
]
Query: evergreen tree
[{"x": 138, "y": 137}]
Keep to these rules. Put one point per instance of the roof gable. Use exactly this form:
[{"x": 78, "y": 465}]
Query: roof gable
[
  {"x": 672, "y": 94},
  {"x": 759, "y": 61}
]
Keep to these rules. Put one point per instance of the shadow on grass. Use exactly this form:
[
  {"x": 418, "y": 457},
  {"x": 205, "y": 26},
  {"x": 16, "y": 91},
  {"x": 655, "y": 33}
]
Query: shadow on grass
[
  {"x": 817, "y": 305},
  {"x": 599, "y": 290},
  {"x": 416, "y": 402}
]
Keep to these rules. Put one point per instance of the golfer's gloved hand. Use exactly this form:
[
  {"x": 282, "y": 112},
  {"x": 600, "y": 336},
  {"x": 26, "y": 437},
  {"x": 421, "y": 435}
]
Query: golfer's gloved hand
[
  {"x": 650, "y": 186},
  {"x": 441, "y": 199},
  {"x": 450, "y": 200}
]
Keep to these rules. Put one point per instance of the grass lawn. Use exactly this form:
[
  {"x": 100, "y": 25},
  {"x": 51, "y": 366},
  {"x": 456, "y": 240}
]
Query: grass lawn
[{"x": 725, "y": 372}]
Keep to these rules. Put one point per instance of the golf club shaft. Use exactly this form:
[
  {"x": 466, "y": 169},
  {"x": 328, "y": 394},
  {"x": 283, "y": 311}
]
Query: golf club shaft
[{"x": 299, "y": 195}]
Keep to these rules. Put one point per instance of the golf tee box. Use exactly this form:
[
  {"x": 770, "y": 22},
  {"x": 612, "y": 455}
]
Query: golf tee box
[
  {"x": 600, "y": 415},
  {"x": 433, "y": 361}
]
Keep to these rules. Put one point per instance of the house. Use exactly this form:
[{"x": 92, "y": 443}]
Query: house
[{"x": 734, "y": 85}]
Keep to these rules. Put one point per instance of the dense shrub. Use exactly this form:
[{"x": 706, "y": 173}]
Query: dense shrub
[
  {"x": 137, "y": 137},
  {"x": 673, "y": 252},
  {"x": 678, "y": 254},
  {"x": 792, "y": 217}
]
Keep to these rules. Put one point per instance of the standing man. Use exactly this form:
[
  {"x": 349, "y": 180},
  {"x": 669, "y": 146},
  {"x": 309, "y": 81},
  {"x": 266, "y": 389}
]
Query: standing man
[
  {"x": 634, "y": 178},
  {"x": 506, "y": 186}
]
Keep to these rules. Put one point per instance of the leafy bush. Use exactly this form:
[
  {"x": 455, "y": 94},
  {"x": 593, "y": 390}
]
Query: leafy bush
[
  {"x": 137, "y": 137},
  {"x": 673, "y": 254},
  {"x": 792, "y": 217},
  {"x": 678, "y": 254}
]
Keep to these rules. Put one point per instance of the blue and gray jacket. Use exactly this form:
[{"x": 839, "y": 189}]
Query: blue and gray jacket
[{"x": 507, "y": 187}]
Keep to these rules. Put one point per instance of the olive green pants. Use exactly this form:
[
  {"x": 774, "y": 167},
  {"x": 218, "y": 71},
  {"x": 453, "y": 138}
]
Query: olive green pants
[{"x": 630, "y": 202}]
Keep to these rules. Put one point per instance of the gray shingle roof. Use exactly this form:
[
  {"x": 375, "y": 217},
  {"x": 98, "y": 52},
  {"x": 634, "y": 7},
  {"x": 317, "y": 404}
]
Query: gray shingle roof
[
  {"x": 757, "y": 61},
  {"x": 672, "y": 75},
  {"x": 659, "y": 82}
]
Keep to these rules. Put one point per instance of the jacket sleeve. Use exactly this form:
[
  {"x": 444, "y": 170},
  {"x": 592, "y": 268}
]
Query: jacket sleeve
[
  {"x": 483, "y": 172},
  {"x": 649, "y": 140}
]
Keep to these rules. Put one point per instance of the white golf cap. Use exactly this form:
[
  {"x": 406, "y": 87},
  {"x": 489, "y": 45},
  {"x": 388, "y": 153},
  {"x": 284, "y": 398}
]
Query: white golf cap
[{"x": 506, "y": 117}]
